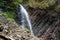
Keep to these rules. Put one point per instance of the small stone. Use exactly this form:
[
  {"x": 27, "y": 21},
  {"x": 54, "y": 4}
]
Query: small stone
[{"x": 5, "y": 31}]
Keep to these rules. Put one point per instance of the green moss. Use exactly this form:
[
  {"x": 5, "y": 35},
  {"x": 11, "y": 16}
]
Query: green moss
[
  {"x": 9, "y": 8},
  {"x": 9, "y": 5},
  {"x": 57, "y": 8},
  {"x": 43, "y": 4},
  {"x": 0, "y": 20},
  {"x": 27, "y": 30},
  {"x": 9, "y": 15}
]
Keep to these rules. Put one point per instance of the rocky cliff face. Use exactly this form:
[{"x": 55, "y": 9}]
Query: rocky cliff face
[
  {"x": 11, "y": 31},
  {"x": 45, "y": 23}
]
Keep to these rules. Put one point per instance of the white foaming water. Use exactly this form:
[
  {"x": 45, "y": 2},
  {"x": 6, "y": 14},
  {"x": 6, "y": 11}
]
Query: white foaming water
[{"x": 25, "y": 14}]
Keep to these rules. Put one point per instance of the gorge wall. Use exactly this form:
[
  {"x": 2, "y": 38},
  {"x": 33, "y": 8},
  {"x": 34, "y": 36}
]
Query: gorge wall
[{"x": 44, "y": 22}]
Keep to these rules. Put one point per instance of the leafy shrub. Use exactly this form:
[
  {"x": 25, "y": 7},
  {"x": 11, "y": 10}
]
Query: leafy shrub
[
  {"x": 9, "y": 8},
  {"x": 9, "y": 5},
  {"x": 43, "y": 4},
  {"x": 9, "y": 15},
  {"x": 57, "y": 8}
]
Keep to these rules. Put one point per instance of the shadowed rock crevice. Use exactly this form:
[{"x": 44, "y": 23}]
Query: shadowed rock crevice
[{"x": 4, "y": 38}]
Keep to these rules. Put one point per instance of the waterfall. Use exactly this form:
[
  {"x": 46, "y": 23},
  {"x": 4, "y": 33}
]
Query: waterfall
[{"x": 24, "y": 17}]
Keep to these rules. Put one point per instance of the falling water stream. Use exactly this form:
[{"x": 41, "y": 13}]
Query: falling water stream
[
  {"x": 43, "y": 23},
  {"x": 25, "y": 17}
]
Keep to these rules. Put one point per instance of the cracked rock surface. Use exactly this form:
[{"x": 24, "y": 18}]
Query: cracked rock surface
[{"x": 11, "y": 31}]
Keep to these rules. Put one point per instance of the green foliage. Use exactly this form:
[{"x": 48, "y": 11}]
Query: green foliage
[
  {"x": 9, "y": 5},
  {"x": 9, "y": 8},
  {"x": 57, "y": 8},
  {"x": 9, "y": 15},
  {"x": 43, "y": 4}
]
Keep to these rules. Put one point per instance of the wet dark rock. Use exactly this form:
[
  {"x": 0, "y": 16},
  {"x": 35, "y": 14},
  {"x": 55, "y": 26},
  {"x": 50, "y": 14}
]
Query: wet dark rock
[
  {"x": 1, "y": 28},
  {"x": 44, "y": 22}
]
